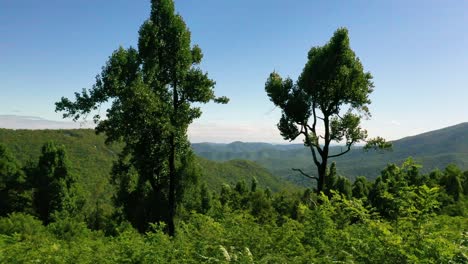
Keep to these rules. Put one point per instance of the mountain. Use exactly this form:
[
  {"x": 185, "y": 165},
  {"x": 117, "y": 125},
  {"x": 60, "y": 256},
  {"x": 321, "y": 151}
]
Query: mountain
[
  {"x": 230, "y": 172},
  {"x": 240, "y": 147},
  {"x": 91, "y": 160},
  {"x": 271, "y": 164},
  {"x": 435, "y": 149}
]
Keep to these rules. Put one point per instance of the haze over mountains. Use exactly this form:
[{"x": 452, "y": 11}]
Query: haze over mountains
[
  {"x": 34, "y": 122},
  {"x": 434, "y": 149}
]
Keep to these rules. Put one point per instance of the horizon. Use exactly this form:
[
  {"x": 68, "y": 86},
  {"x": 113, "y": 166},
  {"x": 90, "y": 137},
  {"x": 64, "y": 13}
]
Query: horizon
[
  {"x": 415, "y": 51},
  {"x": 38, "y": 123}
]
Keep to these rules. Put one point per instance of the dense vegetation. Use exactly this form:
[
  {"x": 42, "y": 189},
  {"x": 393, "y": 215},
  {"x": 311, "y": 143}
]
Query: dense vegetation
[
  {"x": 136, "y": 193},
  {"x": 404, "y": 216},
  {"x": 91, "y": 160}
]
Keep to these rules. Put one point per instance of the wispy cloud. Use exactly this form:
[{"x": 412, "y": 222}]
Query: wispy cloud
[
  {"x": 34, "y": 122},
  {"x": 227, "y": 132},
  {"x": 224, "y": 132},
  {"x": 395, "y": 123}
]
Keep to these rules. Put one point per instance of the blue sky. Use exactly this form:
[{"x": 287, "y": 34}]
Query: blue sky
[{"x": 416, "y": 51}]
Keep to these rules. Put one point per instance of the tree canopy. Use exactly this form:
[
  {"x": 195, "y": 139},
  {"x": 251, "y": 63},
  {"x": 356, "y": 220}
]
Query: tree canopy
[
  {"x": 152, "y": 89},
  {"x": 13, "y": 184},
  {"x": 54, "y": 187},
  {"x": 331, "y": 94}
]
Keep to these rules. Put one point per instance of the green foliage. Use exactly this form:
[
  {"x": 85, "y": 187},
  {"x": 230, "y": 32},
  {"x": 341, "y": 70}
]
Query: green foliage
[
  {"x": 360, "y": 188},
  {"x": 205, "y": 197},
  {"x": 338, "y": 183},
  {"x": 331, "y": 180},
  {"x": 401, "y": 187},
  {"x": 404, "y": 216},
  {"x": 53, "y": 184},
  {"x": 343, "y": 185},
  {"x": 90, "y": 161},
  {"x": 333, "y": 230},
  {"x": 151, "y": 90},
  {"x": 233, "y": 171},
  {"x": 465, "y": 183},
  {"x": 401, "y": 221},
  {"x": 332, "y": 80},
  {"x": 14, "y": 194},
  {"x": 27, "y": 226},
  {"x": 452, "y": 181}
]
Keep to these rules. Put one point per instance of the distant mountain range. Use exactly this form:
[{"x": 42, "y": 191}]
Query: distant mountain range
[
  {"x": 270, "y": 163},
  {"x": 435, "y": 149}
]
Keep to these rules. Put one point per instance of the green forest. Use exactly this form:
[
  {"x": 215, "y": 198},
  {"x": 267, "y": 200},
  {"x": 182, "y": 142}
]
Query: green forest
[{"x": 135, "y": 190}]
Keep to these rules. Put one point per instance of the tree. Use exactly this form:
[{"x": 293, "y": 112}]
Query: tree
[
  {"x": 253, "y": 184},
  {"x": 14, "y": 188},
  {"x": 53, "y": 184},
  {"x": 205, "y": 197},
  {"x": 465, "y": 182},
  {"x": 452, "y": 181},
  {"x": 360, "y": 187},
  {"x": 331, "y": 180},
  {"x": 152, "y": 89},
  {"x": 332, "y": 90},
  {"x": 343, "y": 186}
]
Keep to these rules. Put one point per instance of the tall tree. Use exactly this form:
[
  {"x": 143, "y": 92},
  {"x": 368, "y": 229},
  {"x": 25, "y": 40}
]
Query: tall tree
[
  {"x": 152, "y": 89},
  {"x": 53, "y": 184},
  {"x": 14, "y": 188},
  {"x": 332, "y": 94}
]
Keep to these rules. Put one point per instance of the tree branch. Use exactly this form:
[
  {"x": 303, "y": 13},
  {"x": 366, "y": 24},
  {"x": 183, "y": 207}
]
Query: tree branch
[
  {"x": 342, "y": 153},
  {"x": 315, "y": 118},
  {"x": 305, "y": 174},
  {"x": 311, "y": 146},
  {"x": 315, "y": 134},
  {"x": 338, "y": 115}
]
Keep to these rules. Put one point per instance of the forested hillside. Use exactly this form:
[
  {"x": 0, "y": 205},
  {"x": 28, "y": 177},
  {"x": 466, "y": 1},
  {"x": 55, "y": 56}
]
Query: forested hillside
[
  {"x": 403, "y": 217},
  {"x": 433, "y": 150},
  {"x": 91, "y": 161},
  {"x": 90, "y": 158}
]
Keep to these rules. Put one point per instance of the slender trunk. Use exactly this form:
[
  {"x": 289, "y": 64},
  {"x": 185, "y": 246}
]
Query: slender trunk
[
  {"x": 322, "y": 169},
  {"x": 321, "y": 178}
]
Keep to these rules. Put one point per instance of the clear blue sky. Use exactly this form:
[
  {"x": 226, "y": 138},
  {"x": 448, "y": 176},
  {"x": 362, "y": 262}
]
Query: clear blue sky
[{"x": 416, "y": 51}]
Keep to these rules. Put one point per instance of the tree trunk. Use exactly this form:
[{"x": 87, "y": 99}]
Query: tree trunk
[
  {"x": 172, "y": 175},
  {"x": 322, "y": 171}
]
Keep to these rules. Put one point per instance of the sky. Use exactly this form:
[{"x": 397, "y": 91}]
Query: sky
[{"x": 416, "y": 51}]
